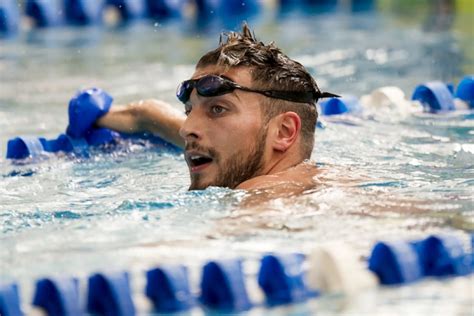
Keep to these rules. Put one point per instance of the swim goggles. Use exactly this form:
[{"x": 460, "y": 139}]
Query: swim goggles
[{"x": 213, "y": 85}]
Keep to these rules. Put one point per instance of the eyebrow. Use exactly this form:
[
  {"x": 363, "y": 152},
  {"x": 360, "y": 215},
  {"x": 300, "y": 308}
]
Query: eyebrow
[{"x": 224, "y": 96}]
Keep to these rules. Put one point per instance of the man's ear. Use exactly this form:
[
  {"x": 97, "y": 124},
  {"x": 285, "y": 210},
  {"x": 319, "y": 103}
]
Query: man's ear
[{"x": 288, "y": 127}]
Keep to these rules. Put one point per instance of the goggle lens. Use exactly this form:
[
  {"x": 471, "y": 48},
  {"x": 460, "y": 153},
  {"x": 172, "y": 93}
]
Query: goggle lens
[
  {"x": 211, "y": 86},
  {"x": 207, "y": 86},
  {"x": 183, "y": 92}
]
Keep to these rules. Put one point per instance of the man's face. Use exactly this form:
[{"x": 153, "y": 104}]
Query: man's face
[{"x": 224, "y": 135}]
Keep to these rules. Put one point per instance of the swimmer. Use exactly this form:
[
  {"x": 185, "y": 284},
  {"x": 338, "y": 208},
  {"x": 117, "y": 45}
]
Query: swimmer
[{"x": 249, "y": 122}]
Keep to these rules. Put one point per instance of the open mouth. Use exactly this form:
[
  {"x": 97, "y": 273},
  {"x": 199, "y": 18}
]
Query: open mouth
[{"x": 197, "y": 162}]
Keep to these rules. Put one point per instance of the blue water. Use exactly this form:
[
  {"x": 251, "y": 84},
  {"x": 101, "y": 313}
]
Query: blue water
[{"x": 387, "y": 177}]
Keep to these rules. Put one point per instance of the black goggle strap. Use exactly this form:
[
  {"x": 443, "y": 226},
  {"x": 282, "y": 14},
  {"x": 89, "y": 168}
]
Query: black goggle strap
[
  {"x": 227, "y": 86},
  {"x": 327, "y": 95},
  {"x": 293, "y": 96}
]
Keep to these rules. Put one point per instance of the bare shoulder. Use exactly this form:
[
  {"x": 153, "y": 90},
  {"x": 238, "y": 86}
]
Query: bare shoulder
[{"x": 303, "y": 175}]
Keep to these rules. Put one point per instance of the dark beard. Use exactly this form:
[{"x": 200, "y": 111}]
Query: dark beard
[{"x": 239, "y": 168}]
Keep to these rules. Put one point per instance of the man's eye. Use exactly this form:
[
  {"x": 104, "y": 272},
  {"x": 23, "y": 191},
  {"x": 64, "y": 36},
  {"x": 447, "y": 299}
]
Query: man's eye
[{"x": 217, "y": 109}]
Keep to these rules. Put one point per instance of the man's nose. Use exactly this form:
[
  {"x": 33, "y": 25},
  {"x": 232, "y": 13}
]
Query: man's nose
[{"x": 190, "y": 130}]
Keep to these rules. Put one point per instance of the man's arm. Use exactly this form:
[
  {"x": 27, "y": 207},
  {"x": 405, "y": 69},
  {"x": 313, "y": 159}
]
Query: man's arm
[{"x": 152, "y": 116}]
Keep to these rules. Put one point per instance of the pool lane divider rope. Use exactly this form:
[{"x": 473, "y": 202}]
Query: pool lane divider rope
[
  {"x": 433, "y": 97},
  {"x": 81, "y": 134},
  {"x": 281, "y": 277},
  {"x": 90, "y": 104},
  {"x": 9, "y": 18},
  {"x": 53, "y": 13}
]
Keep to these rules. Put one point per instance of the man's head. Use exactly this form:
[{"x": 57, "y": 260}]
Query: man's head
[{"x": 256, "y": 119}]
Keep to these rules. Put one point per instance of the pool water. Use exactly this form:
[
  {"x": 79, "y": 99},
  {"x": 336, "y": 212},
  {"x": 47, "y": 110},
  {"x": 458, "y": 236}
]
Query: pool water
[{"x": 386, "y": 176}]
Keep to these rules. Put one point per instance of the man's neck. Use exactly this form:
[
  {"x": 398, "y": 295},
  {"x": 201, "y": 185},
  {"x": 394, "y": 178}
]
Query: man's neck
[
  {"x": 284, "y": 172},
  {"x": 281, "y": 162}
]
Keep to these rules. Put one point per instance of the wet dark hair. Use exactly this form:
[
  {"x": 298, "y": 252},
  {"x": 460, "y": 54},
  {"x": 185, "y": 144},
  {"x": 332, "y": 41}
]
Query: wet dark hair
[{"x": 270, "y": 70}]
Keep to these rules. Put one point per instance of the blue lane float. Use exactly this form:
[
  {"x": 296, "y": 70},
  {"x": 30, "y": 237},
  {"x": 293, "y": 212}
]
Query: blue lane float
[
  {"x": 66, "y": 144},
  {"x": 404, "y": 262},
  {"x": 442, "y": 256},
  {"x": 308, "y": 6},
  {"x": 239, "y": 7},
  {"x": 61, "y": 143},
  {"x": 337, "y": 106},
  {"x": 226, "y": 8},
  {"x": 58, "y": 297},
  {"x": 168, "y": 288},
  {"x": 101, "y": 136},
  {"x": 44, "y": 13},
  {"x": 435, "y": 97},
  {"x": 165, "y": 9},
  {"x": 223, "y": 287},
  {"x": 110, "y": 295},
  {"x": 363, "y": 5},
  {"x": 395, "y": 263},
  {"x": 33, "y": 147},
  {"x": 282, "y": 280},
  {"x": 128, "y": 9},
  {"x": 85, "y": 108},
  {"x": 83, "y": 12},
  {"x": 465, "y": 90},
  {"x": 318, "y": 3},
  {"x": 9, "y": 17},
  {"x": 24, "y": 147},
  {"x": 10, "y": 300}
]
